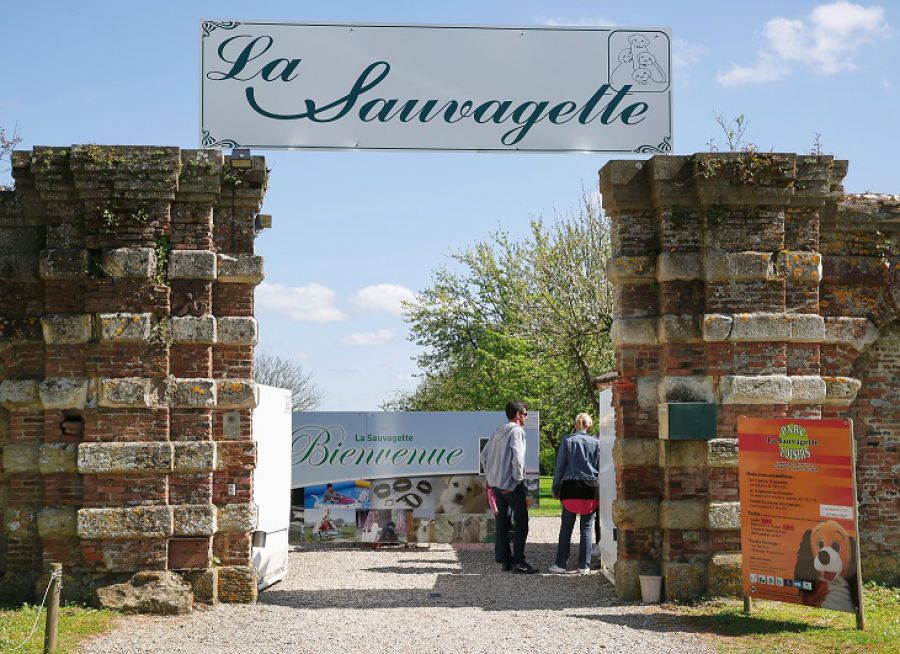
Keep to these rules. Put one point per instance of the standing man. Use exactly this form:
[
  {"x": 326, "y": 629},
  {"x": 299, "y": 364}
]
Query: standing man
[{"x": 503, "y": 460}]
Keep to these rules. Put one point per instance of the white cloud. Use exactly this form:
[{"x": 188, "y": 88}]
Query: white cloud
[
  {"x": 887, "y": 84},
  {"x": 313, "y": 302},
  {"x": 364, "y": 339},
  {"x": 686, "y": 53},
  {"x": 590, "y": 21},
  {"x": 386, "y": 298},
  {"x": 823, "y": 43}
]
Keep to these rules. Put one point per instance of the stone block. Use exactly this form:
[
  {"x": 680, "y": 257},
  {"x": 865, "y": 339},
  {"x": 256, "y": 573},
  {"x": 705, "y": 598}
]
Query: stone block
[
  {"x": 630, "y": 269},
  {"x": 18, "y": 267},
  {"x": 722, "y": 453},
  {"x": 755, "y": 389},
  {"x": 17, "y": 394},
  {"x": 807, "y": 389},
  {"x": 724, "y": 578},
  {"x": 235, "y": 394},
  {"x": 66, "y": 329},
  {"x": 646, "y": 392},
  {"x": 636, "y": 514},
  {"x": 679, "y": 329},
  {"x": 686, "y": 389},
  {"x": 807, "y": 328},
  {"x": 738, "y": 266},
  {"x": 126, "y": 327},
  {"x": 194, "y": 456},
  {"x": 760, "y": 327},
  {"x": 717, "y": 327},
  {"x": 683, "y": 582},
  {"x": 858, "y": 333},
  {"x": 21, "y": 458},
  {"x": 682, "y": 514},
  {"x": 682, "y": 454},
  {"x": 633, "y": 331},
  {"x": 627, "y": 576},
  {"x": 64, "y": 392},
  {"x": 192, "y": 264},
  {"x": 243, "y": 268},
  {"x": 128, "y": 392},
  {"x": 800, "y": 267},
  {"x": 135, "y": 263},
  {"x": 192, "y": 393},
  {"x": 193, "y": 329},
  {"x": 723, "y": 516},
  {"x": 151, "y": 591},
  {"x": 237, "y": 330},
  {"x": 20, "y": 522},
  {"x": 237, "y": 584},
  {"x": 194, "y": 520},
  {"x": 204, "y": 585},
  {"x": 129, "y": 523},
  {"x": 57, "y": 458},
  {"x": 63, "y": 264},
  {"x": 239, "y": 518},
  {"x": 841, "y": 391},
  {"x": 679, "y": 266},
  {"x": 107, "y": 458},
  {"x": 638, "y": 452},
  {"x": 57, "y": 522}
]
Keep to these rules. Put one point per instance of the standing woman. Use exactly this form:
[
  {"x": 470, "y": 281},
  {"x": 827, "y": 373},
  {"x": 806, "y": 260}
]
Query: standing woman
[{"x": 575, "y": 483}]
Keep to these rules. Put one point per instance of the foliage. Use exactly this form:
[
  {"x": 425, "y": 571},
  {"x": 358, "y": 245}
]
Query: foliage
[
  {"x": 734, "y": 130},
  {"x": 798, "y": 629},
  {"x": 523, "y": 320},
  {"x": 548, "y": 506},
  {"x": 76, "y": 624},
  {"x": 283, "y": 372},
  {"x": 8, "y": 143}
]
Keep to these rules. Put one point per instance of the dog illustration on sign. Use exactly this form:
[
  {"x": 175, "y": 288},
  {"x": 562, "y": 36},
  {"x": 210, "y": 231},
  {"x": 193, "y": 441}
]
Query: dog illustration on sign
[
  {"x": 636, "y": 64},
  {"x": 462, "y": 494},
  {"x": 827, "y": 558}
]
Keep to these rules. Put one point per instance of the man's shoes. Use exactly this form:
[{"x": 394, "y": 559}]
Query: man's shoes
[
  {"x": 556, "y": 570},
  {"x": 524, "y": 569},
  {"x": 507, "y": 566},
  {"x": 585, "y": 571}
]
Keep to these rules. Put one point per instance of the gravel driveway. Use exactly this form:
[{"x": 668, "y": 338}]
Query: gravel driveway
[{"x": 444, "y": 599}]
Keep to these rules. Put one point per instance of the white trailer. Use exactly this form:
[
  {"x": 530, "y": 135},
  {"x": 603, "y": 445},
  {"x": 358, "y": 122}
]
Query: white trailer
[{"x": 272, "y": 483}]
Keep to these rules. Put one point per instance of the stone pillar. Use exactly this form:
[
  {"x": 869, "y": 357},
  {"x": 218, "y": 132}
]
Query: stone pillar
[
  {"x": 109, "y": 258},
  {"x": 717, "y": 264}
]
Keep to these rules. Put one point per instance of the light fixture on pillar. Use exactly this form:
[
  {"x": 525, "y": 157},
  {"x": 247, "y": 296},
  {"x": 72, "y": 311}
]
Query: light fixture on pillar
[
  {"x": 241, "y": 158},
  {"x": 263, "y": 221}
]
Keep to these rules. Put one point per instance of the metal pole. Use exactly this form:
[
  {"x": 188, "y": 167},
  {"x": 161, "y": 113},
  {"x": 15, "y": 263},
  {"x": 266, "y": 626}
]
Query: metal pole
[{"x": 52, "y": 628}]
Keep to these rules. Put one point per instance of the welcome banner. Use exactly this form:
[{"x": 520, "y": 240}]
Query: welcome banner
[
  {"x": 429, "y": 87},
  {"x": 799, "y": 534},
  {"x": 341, "y": 445}
]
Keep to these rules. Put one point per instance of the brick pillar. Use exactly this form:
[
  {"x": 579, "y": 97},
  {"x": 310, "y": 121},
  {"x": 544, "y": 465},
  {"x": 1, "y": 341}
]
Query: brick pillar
[
  {"x": 109, "y": 392},
  {"x": 717, "y": 267}
]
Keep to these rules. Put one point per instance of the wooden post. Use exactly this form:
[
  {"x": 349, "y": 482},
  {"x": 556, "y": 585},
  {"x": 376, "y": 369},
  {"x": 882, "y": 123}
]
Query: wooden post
[
  {"x": 860, "y": 611},
  {"x": 748, "y": 603},
  {"x": 52, "y": 628}
]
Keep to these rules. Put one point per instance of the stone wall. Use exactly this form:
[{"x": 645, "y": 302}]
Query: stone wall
[
  {"x": 749, "y": 281},
  {"x": 126, "y": 340}
]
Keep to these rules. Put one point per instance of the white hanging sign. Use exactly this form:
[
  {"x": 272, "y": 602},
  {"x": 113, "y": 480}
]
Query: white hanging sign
[{"x": 430, "y": 87}]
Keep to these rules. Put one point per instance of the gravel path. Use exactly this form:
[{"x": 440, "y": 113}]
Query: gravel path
[{"x": 444, "y": 599}]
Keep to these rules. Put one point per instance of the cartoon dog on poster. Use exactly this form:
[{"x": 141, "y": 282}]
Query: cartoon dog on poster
[{"x": 827, "y": 557}]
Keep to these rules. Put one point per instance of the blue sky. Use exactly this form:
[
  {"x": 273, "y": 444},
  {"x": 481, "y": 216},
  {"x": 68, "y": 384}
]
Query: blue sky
[{"x": 357, "y": 232}]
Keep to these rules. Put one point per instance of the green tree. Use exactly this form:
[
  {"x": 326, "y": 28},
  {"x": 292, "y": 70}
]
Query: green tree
[{"x": 522, "y": 319}]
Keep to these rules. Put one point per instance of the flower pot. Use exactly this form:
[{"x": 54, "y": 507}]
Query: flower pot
[{"x": 651, "y": 588}]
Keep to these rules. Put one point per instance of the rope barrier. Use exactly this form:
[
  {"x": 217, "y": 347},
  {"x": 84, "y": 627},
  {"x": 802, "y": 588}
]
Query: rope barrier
[{"x": 53, "y": 576}]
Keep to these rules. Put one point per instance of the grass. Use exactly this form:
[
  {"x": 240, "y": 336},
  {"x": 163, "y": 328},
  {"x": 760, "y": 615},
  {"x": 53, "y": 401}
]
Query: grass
[
  {"x": 774, "y": 627},
  {"x": 76, "y": 624},
  {"x": 548, "y": 507}
]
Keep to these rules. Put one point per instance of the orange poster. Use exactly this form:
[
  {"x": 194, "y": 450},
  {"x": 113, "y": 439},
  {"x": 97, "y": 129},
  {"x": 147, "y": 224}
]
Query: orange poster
[{"x": 798, "y": 512}]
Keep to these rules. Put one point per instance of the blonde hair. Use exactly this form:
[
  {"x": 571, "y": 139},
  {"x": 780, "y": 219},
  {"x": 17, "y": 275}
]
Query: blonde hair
[{"x": 583, "y": 421}]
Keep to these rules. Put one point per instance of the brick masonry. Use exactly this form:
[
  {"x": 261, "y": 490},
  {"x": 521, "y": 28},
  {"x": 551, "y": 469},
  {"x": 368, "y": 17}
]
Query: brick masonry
[
  {"x": 751, "y": 281},
  {"x": 117, "y": 265}
]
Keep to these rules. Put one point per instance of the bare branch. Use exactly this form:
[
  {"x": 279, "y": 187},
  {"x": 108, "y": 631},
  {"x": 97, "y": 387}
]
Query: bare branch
[{"x": 286, "y": 373}]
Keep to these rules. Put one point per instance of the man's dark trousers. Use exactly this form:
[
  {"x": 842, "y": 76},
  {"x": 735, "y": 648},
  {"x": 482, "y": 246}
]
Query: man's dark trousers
[{"x": 515, "y": 500}]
